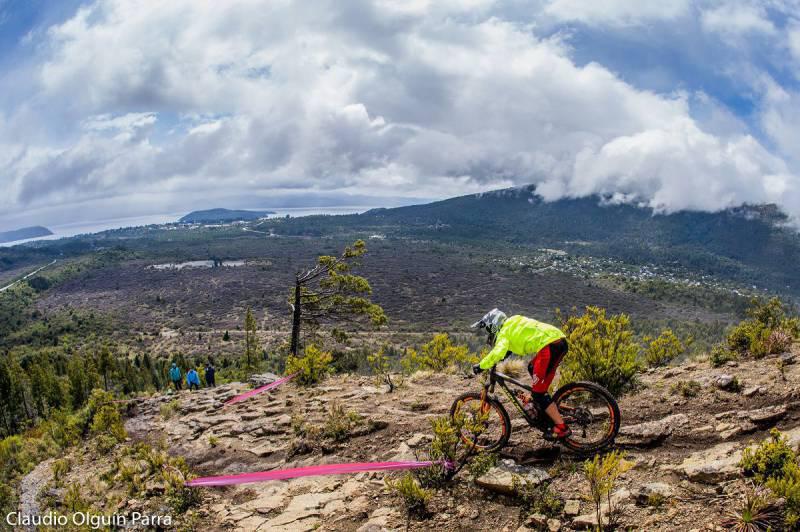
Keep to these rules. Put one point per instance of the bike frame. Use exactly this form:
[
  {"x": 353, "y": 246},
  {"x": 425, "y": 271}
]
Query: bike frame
[{"x": 497, "y": 378}]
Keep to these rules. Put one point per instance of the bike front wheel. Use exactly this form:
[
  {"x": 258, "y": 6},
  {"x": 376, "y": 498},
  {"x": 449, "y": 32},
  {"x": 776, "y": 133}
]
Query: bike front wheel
[
  {"x": 488, "y": 416},
  {"x": 591, "y": 412}
]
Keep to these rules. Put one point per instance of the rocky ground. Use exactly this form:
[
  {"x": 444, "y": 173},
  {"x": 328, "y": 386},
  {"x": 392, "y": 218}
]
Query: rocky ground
[{"x": 685, "y": 440}]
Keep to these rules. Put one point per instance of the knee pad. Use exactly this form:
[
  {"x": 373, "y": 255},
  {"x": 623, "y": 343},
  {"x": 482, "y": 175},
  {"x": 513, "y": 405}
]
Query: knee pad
[{"x": 542, "y": 400}]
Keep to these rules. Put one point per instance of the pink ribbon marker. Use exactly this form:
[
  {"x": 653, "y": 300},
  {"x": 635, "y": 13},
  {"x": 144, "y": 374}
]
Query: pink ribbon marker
[
  {"x": 297, "y": 472},
  {"x": 265, "y": 388}
]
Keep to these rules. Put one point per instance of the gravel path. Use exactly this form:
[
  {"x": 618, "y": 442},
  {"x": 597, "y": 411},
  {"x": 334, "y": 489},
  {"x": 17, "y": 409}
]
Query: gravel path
[{"x": 30, "y": 487}]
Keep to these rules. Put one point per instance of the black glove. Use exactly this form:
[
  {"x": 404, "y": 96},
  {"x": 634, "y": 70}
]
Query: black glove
[{"x": 476, "y": 369}]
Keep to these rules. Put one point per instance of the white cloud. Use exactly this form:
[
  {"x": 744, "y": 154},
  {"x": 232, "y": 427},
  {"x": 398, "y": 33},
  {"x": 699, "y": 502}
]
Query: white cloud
[
  {"x": 737, "y": 17},
  {"x": 616, "y": 12},
  {"x": 188, "y": 98},
  {"x": 793, "y": 39}
]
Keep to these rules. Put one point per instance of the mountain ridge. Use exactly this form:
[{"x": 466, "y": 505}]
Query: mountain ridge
[
  {"x": 220, "y": 215},
  {"x": 24, "y": 233}
]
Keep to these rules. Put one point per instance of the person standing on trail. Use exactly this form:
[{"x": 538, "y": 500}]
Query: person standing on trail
[
  {"x": 210, "y": 371},
  {"x": 175, "y": 375},
  {"x": 523, "y": 336},
  {"x": 193, "y": 379}
]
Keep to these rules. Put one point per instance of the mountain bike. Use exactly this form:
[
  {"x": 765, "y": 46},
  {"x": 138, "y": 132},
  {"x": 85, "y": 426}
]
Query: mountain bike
[{"x": 587, "y": 408}]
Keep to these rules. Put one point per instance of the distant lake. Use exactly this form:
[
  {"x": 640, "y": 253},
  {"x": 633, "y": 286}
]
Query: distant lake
[{"x": 81, "y": 228}]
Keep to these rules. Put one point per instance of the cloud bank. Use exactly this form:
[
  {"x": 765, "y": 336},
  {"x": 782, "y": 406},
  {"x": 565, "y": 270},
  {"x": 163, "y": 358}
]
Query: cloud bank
[{"x": 140, "y": 105}]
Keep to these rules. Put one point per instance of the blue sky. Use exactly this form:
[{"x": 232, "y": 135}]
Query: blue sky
[{"x": 115, "y": 108}]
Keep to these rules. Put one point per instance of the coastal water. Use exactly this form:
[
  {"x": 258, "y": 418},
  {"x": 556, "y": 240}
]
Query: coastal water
[{"x": 89, "y": 227}]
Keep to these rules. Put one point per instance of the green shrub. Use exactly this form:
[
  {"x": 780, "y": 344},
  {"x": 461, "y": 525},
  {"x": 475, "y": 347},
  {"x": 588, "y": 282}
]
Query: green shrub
[
  {"x": 686, "y": 388},
  {"x": 74, "y": 500},
  {"x": 537, "y": 498},
  {"x": 179, "y": 496},
  {"x": 602, "y": 473},
  {"x": 787, "y": 486},
  {"x": 381, "y": 366},
  {"x": 481, "y": 463},
  {"x": 769, "y": 459},
  {"x": 168, "y": 410},
  {"x": 438, "y": 355},
  {"x": 720, "y": 354},
  {"x": 767, "y": 331},
  {"x": 415, "y": 497},
  {"x": 601, "y": 350},
  {"x": 451, "y": 445},
  {"x": 60, "y": 469},
  {"x": 663, "y": 349},
  {"x": 108, "y": 428},
  {"x": 339, "y": 422},
  {"x": 774, "y": 464},
  {"x": 311, "y": 367}
]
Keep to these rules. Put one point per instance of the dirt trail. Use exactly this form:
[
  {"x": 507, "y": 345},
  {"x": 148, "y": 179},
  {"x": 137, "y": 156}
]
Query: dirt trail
[
  {"x": 675, "y": 416},
  {"x": 30, "y": 487}
]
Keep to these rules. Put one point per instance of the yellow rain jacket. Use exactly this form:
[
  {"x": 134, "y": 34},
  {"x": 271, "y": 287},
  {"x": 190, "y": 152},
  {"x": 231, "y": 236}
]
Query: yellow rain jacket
[{"x": 521, "y": 336}]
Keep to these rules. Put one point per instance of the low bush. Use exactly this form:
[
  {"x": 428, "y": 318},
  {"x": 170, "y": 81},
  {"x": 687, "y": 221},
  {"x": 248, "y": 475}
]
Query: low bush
[
  {"x": 601, "y": 349},
  {"x": 720, "y": 355},
  {"x": 767, "y": 331},
  {"x": 537, "y": 498},
  {"x": 663, "y": 349},
  {"x": 340, "y": 423},
  {"x": 774, "y": 464},
  {"x": 451, "y": 448},
  {"x": 168, "y": 410},
  {"x": 60, "y": 469},
  {"x": 311, "y": 367},
  {"x": 415, "y": 497},
  {"x": 602, "y": 474},
  {"x": 769, "y": 459},
  {"x": 686, "y": 388},
  {"x": 381, "y": 366},
  {"x": 439, "y": 354}
]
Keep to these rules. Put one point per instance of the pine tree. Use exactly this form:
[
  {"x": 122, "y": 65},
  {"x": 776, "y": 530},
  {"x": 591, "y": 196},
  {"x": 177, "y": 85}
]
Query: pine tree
[
  {"x": 250, "y": 337},
  {"x": 329, "y": 291}
]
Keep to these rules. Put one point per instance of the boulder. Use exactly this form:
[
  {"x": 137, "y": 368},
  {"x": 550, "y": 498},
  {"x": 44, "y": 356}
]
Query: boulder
[
  {"x": 767, "y": 415},
  {"x": 751, "y": 391},
  {"x": 403, "y": 453},
  {"x": 418, "y": 439},
  {"x": 585, "y": 521},
  {"x": 500, "y": 479},
  {"x": 265, "y": 449},
  {"x": 379, "y": 520},
  {"x": 262, "y": 379},
  {"x": 572, "y": 507},
  {"x": 651, "y": 490},
  {"x": 724, "y": 381},
  {"x": 651, "y": 432},
  {"x": 537, "y": 521},
  {"x": 712, "y": 465}
]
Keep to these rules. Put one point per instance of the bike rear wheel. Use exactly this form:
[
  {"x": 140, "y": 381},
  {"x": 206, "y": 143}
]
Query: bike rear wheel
[
  {"x": 489, "y": 414},
  {"x": 591, "y": 412}
]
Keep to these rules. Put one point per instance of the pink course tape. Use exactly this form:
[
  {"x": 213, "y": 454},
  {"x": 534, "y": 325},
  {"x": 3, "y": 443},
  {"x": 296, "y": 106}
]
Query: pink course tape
[
  {"x": 283, "y": 474},
  {"x": 265, "y": 388}
]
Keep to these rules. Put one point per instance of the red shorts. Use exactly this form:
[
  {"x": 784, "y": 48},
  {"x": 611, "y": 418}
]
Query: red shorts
[{"x": 544, "y": 364}]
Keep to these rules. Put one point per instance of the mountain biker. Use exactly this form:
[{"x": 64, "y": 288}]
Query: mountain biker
[{"x": 527, "y": 337}]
